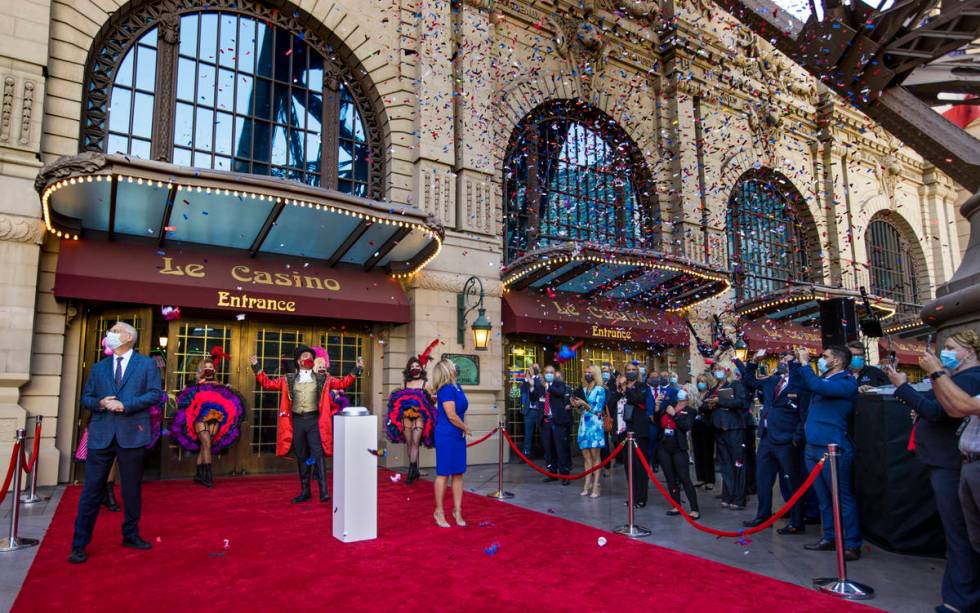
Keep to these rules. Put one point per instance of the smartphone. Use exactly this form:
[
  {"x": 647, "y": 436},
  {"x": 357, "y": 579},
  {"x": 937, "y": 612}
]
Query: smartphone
[
  {"x": 929, "y": 346},
  {"x": 726, "y": 394}
]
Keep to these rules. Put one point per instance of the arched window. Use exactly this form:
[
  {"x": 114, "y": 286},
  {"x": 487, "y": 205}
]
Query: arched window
[
  {"x": 572, "y": 174},
  {"x": 893, "y": 261},
  {"x": 770, "y": 237},
  {"x": 235, "y": 86}
]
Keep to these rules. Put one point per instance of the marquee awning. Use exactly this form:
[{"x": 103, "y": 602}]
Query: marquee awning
[
  {"x": 625, "y": 275},
  {"x": 568, "y": 315},
  {"x": 775, "y": 336},
  {"x": 800, "y": 304},
  {"x": 907, "y": 351},
  {"x": 116, "y": 195},
  {"x": 145, "y": 274}
]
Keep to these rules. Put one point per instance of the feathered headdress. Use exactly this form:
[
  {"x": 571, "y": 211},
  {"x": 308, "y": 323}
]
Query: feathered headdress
[
  {"x": 425, "y": 355},
  {"x": 218, "y": 354},
  {"x": 320, "y": 352}
]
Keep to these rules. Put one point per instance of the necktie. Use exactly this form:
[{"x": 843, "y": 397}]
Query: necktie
[
  {"x": 547, "y": 404},
  {"x": 118, "y": 377},
  {"x": 779, "y": 388}
]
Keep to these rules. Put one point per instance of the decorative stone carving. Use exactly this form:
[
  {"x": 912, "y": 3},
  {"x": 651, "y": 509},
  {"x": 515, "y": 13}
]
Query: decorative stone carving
[
  {"x": 477, "y": 207},
  {"x": 766, "y": 120},
  {"x": 891, "y": 168},
  {"x": 437, "y": 193},
  {"x": 453, "y": 283},
  {"x": 170, "y": 28},
  {"x": 7, "y": 108},
  {"x": 17, "y": 229},
  {"x": 582, "y": 46},
  {"x": 27, "y": 110},
  {"x": 86, "y": 162}
]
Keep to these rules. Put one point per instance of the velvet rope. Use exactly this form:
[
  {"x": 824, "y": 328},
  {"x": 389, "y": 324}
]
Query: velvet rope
[
  {"x": 10, "y": 472},
  {"x": 29, "y": 466},
  {"x": 489, "y": 434},
  {"x": 747, "y": 531},
  {"x": 548, "y": 473}
]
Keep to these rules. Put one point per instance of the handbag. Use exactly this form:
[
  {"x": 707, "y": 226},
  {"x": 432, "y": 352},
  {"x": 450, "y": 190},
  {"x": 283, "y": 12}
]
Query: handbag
[
  {"x": 628, "y": 412},
  {"x": 607, "y": 422}
]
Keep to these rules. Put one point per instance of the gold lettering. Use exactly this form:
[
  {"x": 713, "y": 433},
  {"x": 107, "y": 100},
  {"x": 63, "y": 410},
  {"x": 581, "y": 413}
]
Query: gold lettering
[
  {"x": 168, "y": 268},
  {"x": 313, "y": 281},
  {"x": 195, "y": 270},
  {"x": 243, "y": 270},
  {"x": 283, "y": 279},
  {"x": 244, "y": 301},
  {"x": 222, "y": 299},
  {"x": 236, "y": 302},
  {"x": 566, "y": 309},
  {"x": 262, "y": 277},
  {"x": 291, "y": 306},
  {"x": 331, "y": 284}
]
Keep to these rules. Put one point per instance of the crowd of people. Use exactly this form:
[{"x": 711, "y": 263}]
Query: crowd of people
[
  {"x": 710, "y": 421},
  {"x": 757, "y": 429}
]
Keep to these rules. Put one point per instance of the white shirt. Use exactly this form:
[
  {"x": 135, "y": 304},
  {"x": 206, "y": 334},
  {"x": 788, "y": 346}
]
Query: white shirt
[
  {"x": 125, "y": 362},
  {"x": 305, "y": 376}
]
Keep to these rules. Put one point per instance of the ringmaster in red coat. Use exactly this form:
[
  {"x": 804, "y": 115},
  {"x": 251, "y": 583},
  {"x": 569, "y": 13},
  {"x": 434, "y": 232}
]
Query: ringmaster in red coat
[{"x": 304, "y": 425}]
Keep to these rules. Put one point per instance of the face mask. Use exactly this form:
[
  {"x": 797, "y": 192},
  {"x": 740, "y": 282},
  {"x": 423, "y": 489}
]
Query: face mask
[
  {"x": 673, "y": 380},
  {"x": 588, "y": 377},
  {"x": 822, "y": 365},
  {"x": 702, "y": 385},
  {"x": 946, "y": 356},
  {"x": 605, "y": 376},
  {"x": 306, "y": 364},
  {"x": 113, "y": 340},
  {"x": 857, "y": 362},
  {"x": 782, "y": 368},
  {"x": 208, "y": 373},
  {"x": 632, "y": 375},
  {"x": 681, "y": 395},
  {"x": 719, "y": 374},
  {"x": 415, "y": 372},
  {"x": 549, "y": 377},
  {"x": 535, "y": 370}
]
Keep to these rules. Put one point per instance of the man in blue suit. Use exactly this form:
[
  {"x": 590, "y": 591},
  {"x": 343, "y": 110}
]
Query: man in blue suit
[
  {"x": 118, "y": 392},
  {"x": 784, "y": 406},
  {"x": 532, "y": 398},
  {"x": 832, "y": 397}
]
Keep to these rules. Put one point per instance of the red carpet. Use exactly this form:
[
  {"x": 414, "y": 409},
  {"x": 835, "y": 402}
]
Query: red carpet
[{"x": 281, "y": 556}]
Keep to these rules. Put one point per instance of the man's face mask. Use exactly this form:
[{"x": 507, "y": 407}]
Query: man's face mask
[
  {"x": 306, "y": 363},
  {"x": 415, "y": 372},
  {"x": 209, "y": 372}
]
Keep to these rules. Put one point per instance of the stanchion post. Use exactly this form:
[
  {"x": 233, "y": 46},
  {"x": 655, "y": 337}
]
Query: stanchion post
[
  {"x": 32, "y": 497},
  {"x": 840, "y": 585},
  {"x": 500, "y": 494},
  {"x": 631, "y": 529},
  {"x": 14, "y": 542}
]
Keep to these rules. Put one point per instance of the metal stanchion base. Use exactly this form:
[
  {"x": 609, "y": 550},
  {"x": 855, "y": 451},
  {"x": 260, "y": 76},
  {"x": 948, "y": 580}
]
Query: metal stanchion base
[
  {"x": 846, "y": 589},
  {"x": 13, "y": 544},
  {"x": 28, "y": 499},
  {"x": 634, "y": 531},
  {"x": 500, "y": 495}
]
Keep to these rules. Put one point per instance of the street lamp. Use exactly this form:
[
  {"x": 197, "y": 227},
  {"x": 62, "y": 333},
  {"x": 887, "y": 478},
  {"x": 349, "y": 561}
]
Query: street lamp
[
  {"x": 481, "y": 327},
  {"x": 741, "y": 349}
]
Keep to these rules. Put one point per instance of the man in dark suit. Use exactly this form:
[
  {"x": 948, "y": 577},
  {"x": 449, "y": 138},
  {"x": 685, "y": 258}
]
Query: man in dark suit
[
  {"x": 118, "y": 392},
  {"x": 555, "y": 423},
  {"x": 532, "y": 394},
  {"x": 832, "y": 397},
  {"x": 867, "y": 376},
  {"x": 784, "y": 407}
]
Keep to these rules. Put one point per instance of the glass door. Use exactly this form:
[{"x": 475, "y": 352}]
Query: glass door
[{"x": 520, "y": 357}]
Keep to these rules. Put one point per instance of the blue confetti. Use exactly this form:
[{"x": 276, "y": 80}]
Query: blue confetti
[{"x": 310, "y": 461}]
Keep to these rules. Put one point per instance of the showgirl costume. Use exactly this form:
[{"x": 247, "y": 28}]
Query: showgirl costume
[
  {"x": 208, "y": 418},
  {"x": 415, "y": 406}
]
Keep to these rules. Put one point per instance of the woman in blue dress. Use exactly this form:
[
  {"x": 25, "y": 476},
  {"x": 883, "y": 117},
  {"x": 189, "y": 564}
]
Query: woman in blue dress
[
  {"x": 591, "y": 433},
  {"x": 451, "y": 433}
]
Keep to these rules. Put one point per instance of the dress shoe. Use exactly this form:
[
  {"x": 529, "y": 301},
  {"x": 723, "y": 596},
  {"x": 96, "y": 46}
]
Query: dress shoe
[
  {"x": 550, "y": 479},
  {"x": 566, "y": 482},
  {"x": 852, "y": 554},
  {"x": 752, "y": 523},
  {"x": 737, "y": 507},
  {"x": 673, "y": 512},
  {"x": 791, "y": 530},
  {"x": 77, "y": 556},
  {"x": 136, "y": 543},
  {"x": 821, "y": 545},
  {"x": 109, "y": 500},
  {"x": 811, "y": 521}
]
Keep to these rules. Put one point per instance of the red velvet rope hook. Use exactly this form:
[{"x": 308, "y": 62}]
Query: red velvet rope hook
[
  {"x": 29, "y": 466},
  {"x": 548, "y": 473},
  {"x": 489, "y": 434},
  {"x": 764, "y": 525},
  {"x": 10, "y": 472}
]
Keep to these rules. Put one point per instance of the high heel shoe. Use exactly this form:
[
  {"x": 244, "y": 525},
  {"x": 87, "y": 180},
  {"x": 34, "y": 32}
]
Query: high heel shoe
[
  {"x": 440, "y": 520},
  {"x": 458, "y": 516}
]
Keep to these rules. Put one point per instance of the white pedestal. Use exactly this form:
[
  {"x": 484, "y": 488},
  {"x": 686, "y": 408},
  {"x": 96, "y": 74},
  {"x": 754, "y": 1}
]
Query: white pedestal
[{"x": 355, "y": 477}]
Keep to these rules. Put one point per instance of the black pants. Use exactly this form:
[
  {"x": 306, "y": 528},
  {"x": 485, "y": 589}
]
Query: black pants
[
  {"x": 557, "y": 449},
  {"x": 731, "y": 459},
  {"x": 961, "y": 579},
  {"x": 675, "y": 463},
  {"x": 703, "y": 440},
  {"x": 641, "y": 482},
  {"x": 97, "y": 467},
  {"x": 750, "y": 466},
  {"x": 778, "y": 461},
  {"x": 306, "y": 436}
]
